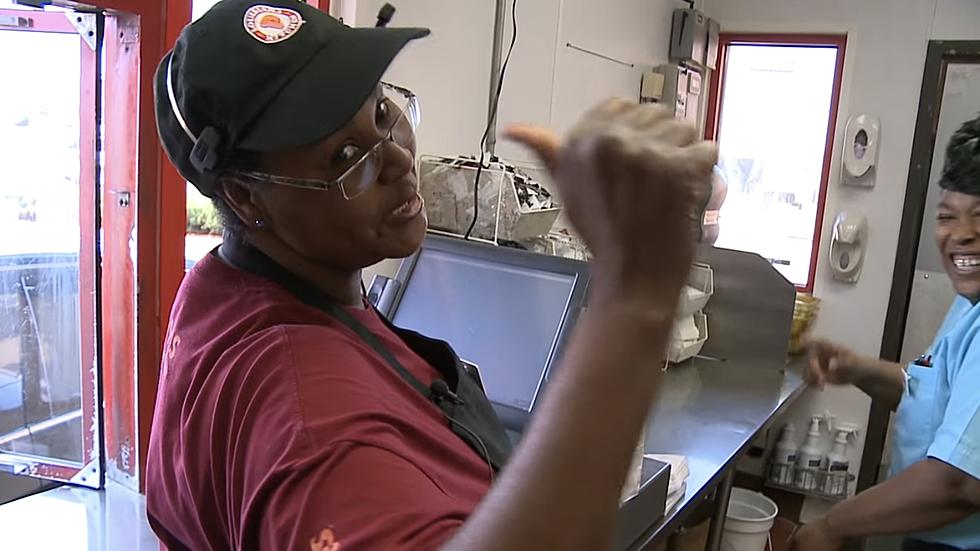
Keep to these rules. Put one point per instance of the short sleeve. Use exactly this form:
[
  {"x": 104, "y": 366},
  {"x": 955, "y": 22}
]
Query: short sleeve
[
  {"x": 957, "y": 441},
  {"x": 360, "y": 497}
]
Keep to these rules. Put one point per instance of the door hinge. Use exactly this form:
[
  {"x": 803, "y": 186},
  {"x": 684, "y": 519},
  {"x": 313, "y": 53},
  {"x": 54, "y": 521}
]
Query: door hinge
[
  {"x": 129, "y": 31},
  {"x": 88, "y": 475},
  {"x": 85, "y": 25}
]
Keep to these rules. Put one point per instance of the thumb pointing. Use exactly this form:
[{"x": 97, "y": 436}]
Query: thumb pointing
[{"x": 542, "y": 141}]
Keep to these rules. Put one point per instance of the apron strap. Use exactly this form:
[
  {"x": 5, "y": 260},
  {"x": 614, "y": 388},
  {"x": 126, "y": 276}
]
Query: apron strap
[
  {"x": 247, "y": 258},
  {"x": 470, "y": 414}
]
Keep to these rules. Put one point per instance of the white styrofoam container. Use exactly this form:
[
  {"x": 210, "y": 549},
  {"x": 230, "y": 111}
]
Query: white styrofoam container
[
  {"x": 684, "y": 350},
  {"x": 696, "y": 294}
]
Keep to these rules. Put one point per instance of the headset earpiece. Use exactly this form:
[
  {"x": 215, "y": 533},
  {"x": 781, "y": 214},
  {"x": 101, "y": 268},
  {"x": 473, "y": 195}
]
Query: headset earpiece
[{"x": 204, "y": 155}]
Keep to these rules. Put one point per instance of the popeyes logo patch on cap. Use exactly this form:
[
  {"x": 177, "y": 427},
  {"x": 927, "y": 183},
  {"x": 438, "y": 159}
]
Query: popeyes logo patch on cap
[{"x": 270, "y": 24}]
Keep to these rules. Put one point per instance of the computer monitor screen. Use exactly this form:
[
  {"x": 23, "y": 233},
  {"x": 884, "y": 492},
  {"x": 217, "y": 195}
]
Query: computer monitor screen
[{"x": 497, "y": 309}]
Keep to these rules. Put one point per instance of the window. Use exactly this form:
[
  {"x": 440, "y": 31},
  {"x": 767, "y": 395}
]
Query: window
[
  {"x": 48, "y": 394},
  {"x": 773, "y": 116},
  {"x": 203, "y": 223},
  {"x": 203, "y": 227}
]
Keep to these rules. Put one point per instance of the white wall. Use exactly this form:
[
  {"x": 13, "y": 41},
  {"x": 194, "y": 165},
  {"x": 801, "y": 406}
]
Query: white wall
[
  {"x": 449, "y": 70},
  {"x": 886, "y": 48},
  {"x": 546, "y": 82},
  {"x": 956, "y": 20}
]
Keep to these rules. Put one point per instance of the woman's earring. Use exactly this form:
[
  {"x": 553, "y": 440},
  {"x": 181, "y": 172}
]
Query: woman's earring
[{"x": 259, "y": 223}]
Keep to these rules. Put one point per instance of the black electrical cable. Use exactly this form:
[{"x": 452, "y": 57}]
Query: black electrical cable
[{"x": 490, "y": 121}]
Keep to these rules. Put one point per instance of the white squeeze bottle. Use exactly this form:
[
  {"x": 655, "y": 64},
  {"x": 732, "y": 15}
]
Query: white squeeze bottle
[
  {"x": 811, "y": 457},
  {"x": 784, "y": 457},
  {"x": 838, "y": 464}
]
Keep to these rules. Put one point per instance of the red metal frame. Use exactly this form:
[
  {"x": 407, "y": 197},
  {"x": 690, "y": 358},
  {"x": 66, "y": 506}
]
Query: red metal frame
[
  {"x": 716, "y": 99},
  {"x": 135, "y": 318},
  {"x": 138, "y": 33},
  {"x": 56, "y": 22},
  {"x": 119, "y": 205},
  {"x": 161, "y": 220},
  {"x": 87, "y": 217}
]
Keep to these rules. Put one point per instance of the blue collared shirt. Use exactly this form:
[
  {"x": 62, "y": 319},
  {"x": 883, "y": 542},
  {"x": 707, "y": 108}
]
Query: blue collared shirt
[{"x": 939, "y": 415}]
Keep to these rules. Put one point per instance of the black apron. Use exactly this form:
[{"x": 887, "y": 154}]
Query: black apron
[{"x": 459, "y": 394}]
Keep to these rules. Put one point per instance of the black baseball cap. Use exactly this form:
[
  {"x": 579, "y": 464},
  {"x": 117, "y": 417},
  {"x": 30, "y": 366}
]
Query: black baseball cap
[{"x": 260, "y": 75}]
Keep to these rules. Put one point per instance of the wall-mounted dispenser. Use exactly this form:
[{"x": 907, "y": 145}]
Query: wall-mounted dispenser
[
  {"x": 847, "y": 246},
  {"x": 651, "y": 87},
  {"x": 679, "y": 88},
  {"x": 861, "y": 150}
]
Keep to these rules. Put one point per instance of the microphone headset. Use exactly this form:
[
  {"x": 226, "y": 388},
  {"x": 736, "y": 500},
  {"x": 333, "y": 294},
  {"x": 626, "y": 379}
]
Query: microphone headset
[
  {"x": 384, "y": 15},
  {"x": 441, "y": 391}
]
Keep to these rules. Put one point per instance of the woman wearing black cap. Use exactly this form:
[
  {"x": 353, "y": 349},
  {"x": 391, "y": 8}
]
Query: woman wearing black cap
[
  {"x": 290, "y": 415},
  {"x": 933, "y": 494}
]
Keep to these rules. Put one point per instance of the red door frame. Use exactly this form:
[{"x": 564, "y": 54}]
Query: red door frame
[
  {"x": 87, "y": 269},
  {"x": 716, "y": 96},
  {"x": 54, "y": 22},
  {"x": 161, "y": 220},
  {"x": 138, "y": 298},
  {"x": 122, "y": 193}
]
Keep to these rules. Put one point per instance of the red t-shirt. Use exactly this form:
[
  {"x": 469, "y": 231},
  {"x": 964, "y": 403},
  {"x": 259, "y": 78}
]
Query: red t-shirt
[{"x": 276, "y": 427}]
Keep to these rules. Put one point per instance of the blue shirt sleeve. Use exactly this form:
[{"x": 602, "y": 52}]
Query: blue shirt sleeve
[{"x": 957, "y": 441}]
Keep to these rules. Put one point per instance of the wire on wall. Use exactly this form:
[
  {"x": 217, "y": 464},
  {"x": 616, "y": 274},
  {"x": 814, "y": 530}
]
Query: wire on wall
[{"x": 491, "y": 120}]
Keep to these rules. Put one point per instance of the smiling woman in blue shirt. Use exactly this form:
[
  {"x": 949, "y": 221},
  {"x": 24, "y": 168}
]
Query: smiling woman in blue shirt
[{"x": 933, "y": 493}]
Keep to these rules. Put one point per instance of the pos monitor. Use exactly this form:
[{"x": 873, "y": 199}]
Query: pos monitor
[{"x": 505, "y": 310}]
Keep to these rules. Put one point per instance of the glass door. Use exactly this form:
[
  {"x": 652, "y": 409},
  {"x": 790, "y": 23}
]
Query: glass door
[{"x": 50, "y": 420}]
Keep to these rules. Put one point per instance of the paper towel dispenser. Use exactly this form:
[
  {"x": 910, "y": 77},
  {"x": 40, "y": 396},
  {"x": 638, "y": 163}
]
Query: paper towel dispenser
[
  {"x": 847, "y": 246},
  {"x": 861, "y": 150},
  {"x": 679, "y": 88}
]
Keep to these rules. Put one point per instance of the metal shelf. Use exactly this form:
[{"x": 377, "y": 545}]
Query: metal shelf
[{"x": 827, "y": 485}]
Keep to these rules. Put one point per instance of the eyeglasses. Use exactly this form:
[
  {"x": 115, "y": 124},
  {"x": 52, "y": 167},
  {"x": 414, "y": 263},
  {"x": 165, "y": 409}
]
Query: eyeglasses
[{"x": 398, "y": 114}]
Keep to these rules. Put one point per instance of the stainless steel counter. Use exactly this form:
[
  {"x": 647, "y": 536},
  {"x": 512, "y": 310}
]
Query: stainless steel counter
[{"x": 709, "y": 411}]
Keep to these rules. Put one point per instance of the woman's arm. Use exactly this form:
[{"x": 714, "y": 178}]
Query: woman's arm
[
  {"x": 629, "y": 183},
  {"x": 561, "y": 488},
  {"x": 882, "y": 380},
  {"x": 928, "y": 495},
  {"x": 831, "y": 363}
]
